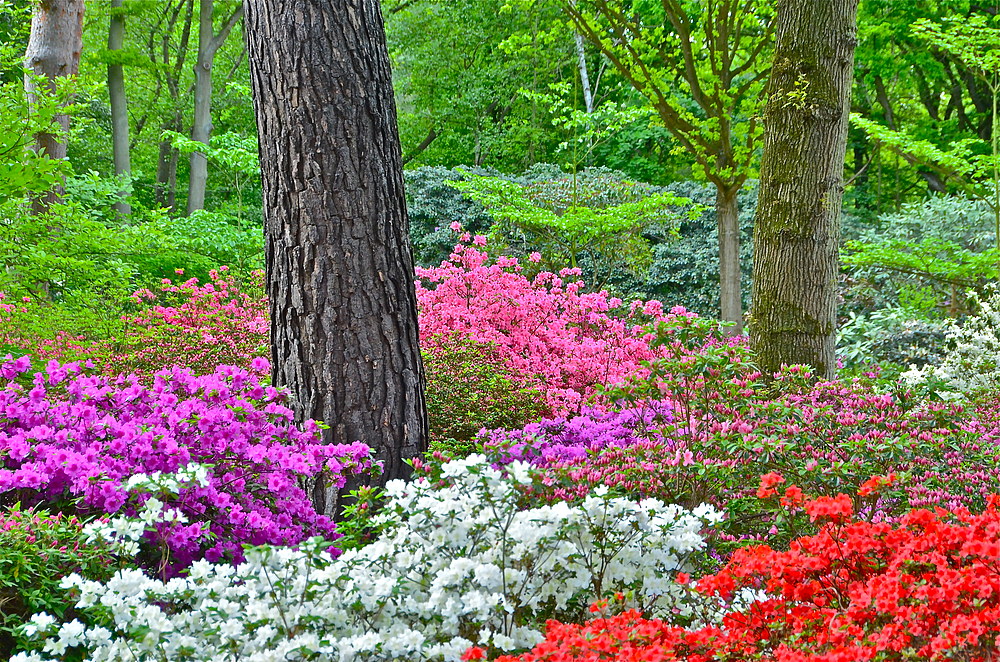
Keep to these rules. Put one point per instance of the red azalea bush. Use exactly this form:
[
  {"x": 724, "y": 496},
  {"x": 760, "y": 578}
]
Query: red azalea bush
[{"x": 925, "y": 588}]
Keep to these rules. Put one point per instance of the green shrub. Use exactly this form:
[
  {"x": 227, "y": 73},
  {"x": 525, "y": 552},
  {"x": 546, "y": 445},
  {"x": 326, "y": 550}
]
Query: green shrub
[
  {"x": 469, "y": 388},
  {"x": 37, "y": 550}
]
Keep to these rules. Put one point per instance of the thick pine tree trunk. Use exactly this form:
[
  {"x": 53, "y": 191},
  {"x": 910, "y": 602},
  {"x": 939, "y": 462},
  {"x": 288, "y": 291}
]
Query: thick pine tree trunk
[
  {"x": 340, "y": 270},
  {"x": 53, "y": 52},
  {"x": 727, "y": 214},
  {"x": 797, "y": 229},
  {"x": 119, "y": 102}
]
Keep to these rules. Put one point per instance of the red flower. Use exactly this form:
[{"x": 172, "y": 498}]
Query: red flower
[
  {"x": 474, "y": 653},
  {"x": 767, "y": 483}
]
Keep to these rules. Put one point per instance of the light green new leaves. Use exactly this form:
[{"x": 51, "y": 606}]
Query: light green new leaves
[{"x": 567, "y": 221}]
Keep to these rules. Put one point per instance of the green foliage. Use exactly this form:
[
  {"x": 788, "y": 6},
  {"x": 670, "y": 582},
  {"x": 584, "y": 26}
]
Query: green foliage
[
  {"x": 707, "y": 91},
  {"x": 892, "y": 338},
  {"x": 458, "y": 68},
  {"x": 433, "y": 205},
  {"x": 36, "y": 551},
  {"x": 685, "y": 271},
  {"x": 937, "y": 261},
  {"x": 469, "y": 388},
  {"x": 22, "y": 170},
  {"x": 598, "y": 214},
  {"x": 923, "y": 257},
  {"x": 214, "y": 237}
]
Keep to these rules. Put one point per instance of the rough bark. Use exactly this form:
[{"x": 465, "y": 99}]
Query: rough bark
[
  {"x": 53, "y": 52},
  {"x": 727, "y": 214},
  {"x": 201, "y": 130},
  {"x": 119, "y": 102},
  {"x": 797, "y": 229},
  {"x": 340, "y": 269}
]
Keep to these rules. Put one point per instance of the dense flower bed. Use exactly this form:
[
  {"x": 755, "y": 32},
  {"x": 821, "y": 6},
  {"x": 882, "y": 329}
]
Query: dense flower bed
[
  {"x": 457, "y": 563},
  {"x": 75, "y": 441},
  {"x": 827, "y": 435}
]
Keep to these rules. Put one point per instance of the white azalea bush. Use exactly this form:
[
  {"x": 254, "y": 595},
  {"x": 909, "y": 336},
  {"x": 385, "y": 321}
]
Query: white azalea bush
[
  {"x": 457, "y": 564},
  {"x": 972, "y": 364}
]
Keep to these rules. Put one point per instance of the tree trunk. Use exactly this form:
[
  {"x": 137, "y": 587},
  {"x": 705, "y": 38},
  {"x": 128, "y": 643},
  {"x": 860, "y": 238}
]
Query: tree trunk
[
  {"x": 581, "y": 59},
  {"x": 340, "y": 269},
  {"x": 727, "y": 214},
  {"x": 201, "y": 130},
  {"x": 119, "y": 103},
  {"x": 53, "y": 52},
  {"x": 797, "y": 229}
]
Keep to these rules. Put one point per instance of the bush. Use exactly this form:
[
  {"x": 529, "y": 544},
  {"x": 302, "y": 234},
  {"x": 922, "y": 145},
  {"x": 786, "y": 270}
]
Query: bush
[
  {"x": 924, "y": 589},
  {"x": 550, "y": 335},
  {"x": 37, "y": 550},
  {"x": 458, "y": 563},
  {"x": 926, "y": 254},
  {"x": 433, "y": 205},
  {"x": 71, "y": 441},
  {"x": 469, "y": 388},
  {"x": 971, "y": 365},
  {"x": 728, "y": 426},
  {"x": 685, "y": 270},
  {"x": 891, "y": 337},
  {"x": 200, "y": 326}
]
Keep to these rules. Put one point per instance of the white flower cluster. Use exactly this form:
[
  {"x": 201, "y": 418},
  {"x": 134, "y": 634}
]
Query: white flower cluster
[
  {"x": 973, "y": 363},
  {"x": 125, "y": 533},
  {"x": 193, "y": 474},
  {"x": 457, "y": 565}
]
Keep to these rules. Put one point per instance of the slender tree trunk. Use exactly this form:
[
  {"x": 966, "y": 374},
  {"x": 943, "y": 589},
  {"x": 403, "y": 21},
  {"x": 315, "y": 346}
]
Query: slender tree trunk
[
  {"x": 166, "y": 166},
  {"x": 797, "y": 229},
  {"x": 201, "y": 130},
  {"x": 340, "y": 270},
  {"x": 53, "y": 52},
  {"x": 119, "y": 102},
  {"x": 727, "y": 214},
  {"x": 581, "y": 58}
]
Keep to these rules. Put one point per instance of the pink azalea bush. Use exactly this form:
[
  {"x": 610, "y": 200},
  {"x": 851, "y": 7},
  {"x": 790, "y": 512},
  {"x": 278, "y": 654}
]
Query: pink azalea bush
[
  {"x": 198, "y": 325},
  {"x": 548, "y": 334},
  {"x": 565, "y": 341},
  {"x": 71, "y": 440}
]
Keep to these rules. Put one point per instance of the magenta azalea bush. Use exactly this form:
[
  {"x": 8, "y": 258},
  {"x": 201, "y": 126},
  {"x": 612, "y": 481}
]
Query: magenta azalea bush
[
  {"x": 72, "y": 441},
  {"x": 565, "y": 341},
  {"x": 578, "y": 438}
]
